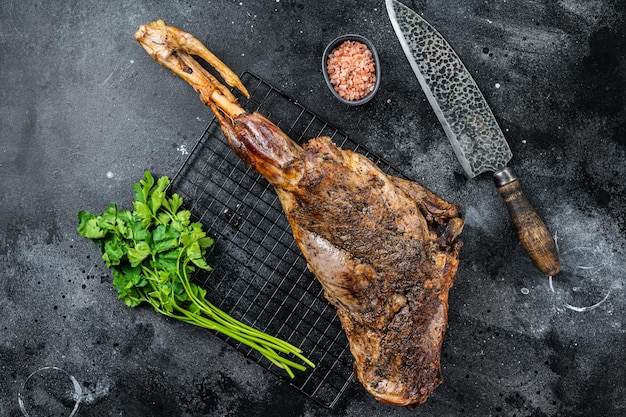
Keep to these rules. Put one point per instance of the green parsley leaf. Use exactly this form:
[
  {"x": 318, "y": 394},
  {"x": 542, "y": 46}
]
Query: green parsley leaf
[
  {"x": 88, "y": 226},
  {"x": 137, "y": 254},
  {"x": 143, "y": 212},
  {"x": 164, "y": 238},
  {"x": 195, "y": 254},
  {"x": 114, "y": 250},
  {"x": 108, "y": 219},
  {"x": 152, "y": 251}
]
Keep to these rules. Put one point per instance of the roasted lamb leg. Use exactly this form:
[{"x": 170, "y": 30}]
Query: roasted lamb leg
[{"x": 384, "y": 249}]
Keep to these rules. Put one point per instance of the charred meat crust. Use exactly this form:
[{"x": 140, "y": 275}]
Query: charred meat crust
[
  {"x": 385, "y": 250},
  {"x": 401, "y": 267}
]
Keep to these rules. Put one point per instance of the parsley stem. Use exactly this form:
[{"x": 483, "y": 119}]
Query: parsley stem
[
  {"x": 244, "y": 333},
  {"x": 221, "y": 322},
  {"x": 149, "y": 250},
  {"x": 264, "y": 349}
]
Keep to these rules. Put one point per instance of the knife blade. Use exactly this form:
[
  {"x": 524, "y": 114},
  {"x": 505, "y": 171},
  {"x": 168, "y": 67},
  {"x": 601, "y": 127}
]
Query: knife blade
[{"x": 471, "y": 127}]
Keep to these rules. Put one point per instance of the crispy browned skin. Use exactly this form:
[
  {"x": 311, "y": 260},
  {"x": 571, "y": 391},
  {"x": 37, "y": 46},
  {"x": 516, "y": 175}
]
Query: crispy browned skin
[{"x": 384, "y": 249}]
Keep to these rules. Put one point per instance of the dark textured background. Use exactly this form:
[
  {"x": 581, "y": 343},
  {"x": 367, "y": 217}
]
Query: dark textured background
[{"x": 84, "y": 111}]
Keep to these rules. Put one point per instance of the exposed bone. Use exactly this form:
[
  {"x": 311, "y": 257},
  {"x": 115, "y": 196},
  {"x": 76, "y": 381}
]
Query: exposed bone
[{"x": 173, "y": 48}]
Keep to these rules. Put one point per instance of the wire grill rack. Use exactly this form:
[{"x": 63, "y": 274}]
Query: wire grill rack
[{"x": 260, "y": 276}]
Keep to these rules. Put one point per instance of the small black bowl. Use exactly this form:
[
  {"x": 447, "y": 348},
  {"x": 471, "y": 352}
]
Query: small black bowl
[{"x": 335, "y": 43}]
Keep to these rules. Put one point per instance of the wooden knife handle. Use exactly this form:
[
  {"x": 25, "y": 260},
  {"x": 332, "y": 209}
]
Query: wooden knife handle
[{"x": 532, "y": 232}]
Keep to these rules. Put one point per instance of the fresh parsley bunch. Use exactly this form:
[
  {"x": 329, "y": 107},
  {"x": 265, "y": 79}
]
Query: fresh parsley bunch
[{"x": 153, "y": 250}]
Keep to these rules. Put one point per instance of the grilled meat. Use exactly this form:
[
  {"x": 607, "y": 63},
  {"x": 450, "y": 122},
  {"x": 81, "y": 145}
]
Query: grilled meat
[{"x": 384, "y": 249}]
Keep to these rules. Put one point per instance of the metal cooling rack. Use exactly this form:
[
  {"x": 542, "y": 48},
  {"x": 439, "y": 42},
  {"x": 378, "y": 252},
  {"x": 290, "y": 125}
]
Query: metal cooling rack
[{"x": 260, "y": 276}]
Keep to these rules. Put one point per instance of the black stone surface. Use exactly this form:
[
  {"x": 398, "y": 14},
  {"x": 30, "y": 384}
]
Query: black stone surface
[{"x": 84, "y": 111}]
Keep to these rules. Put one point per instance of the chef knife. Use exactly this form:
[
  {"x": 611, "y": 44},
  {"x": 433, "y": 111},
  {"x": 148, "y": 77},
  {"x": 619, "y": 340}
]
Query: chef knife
[{"x": 471, "y": 127}]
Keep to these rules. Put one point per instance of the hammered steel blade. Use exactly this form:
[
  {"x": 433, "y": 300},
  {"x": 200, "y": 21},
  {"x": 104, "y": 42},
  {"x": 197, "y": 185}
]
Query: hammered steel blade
[
  {"x": 461, "y": 108},
  {"x": 470, "y": 126}
]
